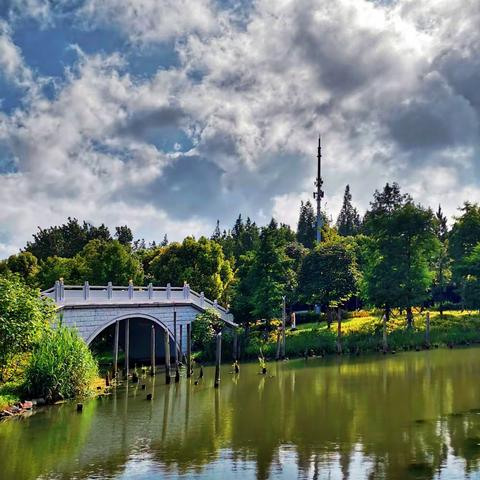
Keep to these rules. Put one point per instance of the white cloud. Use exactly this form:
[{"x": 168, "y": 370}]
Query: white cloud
[{"x": 393, "y": 89}]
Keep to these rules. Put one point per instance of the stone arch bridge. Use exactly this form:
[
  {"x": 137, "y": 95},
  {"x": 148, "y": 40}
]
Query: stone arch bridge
[{"x": 169, "y": 311}]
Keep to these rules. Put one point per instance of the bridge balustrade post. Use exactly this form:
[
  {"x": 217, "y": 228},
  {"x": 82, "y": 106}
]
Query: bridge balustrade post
[
  {"x": 202, "y": 299},
  {"x": 130, "y": 289},
  {"x": 150, "y": 291},
  {"x": 109, "y": 290},
  {"x": 169, "y": 291},
  {"x": 215, "y": 303},
  {"x": 57, "y": 290},
  {"x": 62, "y": 290},
  {"x": 185, "y": 290},
  {"x": 86, "y": 290}
]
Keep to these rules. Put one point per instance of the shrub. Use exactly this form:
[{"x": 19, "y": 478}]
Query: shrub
[
  {"x": 23, "y": 317},
  {"x": 61, "y": 366}
]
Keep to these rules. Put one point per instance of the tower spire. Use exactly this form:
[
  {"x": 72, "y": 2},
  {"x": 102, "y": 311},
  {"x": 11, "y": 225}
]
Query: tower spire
[{"x": 318, "y": 195}]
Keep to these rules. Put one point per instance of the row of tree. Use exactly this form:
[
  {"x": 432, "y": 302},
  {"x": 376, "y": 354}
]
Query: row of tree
[{"x": 399, "y": 255}]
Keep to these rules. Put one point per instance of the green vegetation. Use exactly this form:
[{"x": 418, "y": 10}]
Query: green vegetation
[{"x": 61, "y": 366}]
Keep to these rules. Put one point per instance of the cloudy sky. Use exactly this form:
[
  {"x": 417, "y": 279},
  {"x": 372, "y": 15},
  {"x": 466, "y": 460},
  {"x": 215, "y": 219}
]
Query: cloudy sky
[{"x": 168, "y": 114}]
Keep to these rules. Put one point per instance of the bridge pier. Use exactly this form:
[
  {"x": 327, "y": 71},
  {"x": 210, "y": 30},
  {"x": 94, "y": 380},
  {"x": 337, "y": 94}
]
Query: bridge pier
[
  {"x": 115, "y": 349},
  {"x": 127, "y": 346}
]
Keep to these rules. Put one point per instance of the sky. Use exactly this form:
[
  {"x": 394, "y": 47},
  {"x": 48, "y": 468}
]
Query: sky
[{"x": 168, "y": 115}]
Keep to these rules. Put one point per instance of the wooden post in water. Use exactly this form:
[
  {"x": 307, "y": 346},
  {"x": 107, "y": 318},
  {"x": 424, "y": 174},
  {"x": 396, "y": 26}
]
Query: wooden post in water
[
  {"x": 152, "y": 351},
  {"x": 127, "y": 346},
  {"x": 218, "y": 359},
  {"x": 115, "y": 350},
  {"x": 339, "y": 331},
  {"x": 166, "y": 337},
  {"x": 189, "y": 350},
  {"x": 427, "y": 329},
  {"x": 284, "y": 326},
  {"x": 277, "y": 356},
  {"x": 175, "y": 336},
  {"x": 384, "y": 333}
]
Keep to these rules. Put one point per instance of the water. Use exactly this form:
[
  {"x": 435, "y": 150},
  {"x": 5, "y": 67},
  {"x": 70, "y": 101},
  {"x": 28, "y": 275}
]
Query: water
[{"x": 408, "y": 416}]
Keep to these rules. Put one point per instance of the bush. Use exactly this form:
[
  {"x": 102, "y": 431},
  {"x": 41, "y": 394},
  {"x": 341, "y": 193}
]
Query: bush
[
  {"x": 23, "y": 318},
  {"x": 61, "y": 366}
]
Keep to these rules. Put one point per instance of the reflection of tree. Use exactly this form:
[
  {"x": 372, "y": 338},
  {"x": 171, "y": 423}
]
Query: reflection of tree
[{"x": 390, "y": 417}]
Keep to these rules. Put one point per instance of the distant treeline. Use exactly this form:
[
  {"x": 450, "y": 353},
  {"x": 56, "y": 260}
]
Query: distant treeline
[{"x": 399, "y": 255}]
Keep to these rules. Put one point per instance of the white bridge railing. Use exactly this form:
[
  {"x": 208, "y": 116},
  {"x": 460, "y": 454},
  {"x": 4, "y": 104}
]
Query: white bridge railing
[{"x": 76, "y": 295}]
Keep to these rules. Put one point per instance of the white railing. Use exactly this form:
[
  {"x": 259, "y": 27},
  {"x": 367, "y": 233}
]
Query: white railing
[{"x": 72, "y": 295}]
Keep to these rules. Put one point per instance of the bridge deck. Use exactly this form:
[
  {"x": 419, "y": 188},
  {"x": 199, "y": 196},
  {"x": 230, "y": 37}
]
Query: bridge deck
[{"x": 76, "y": 296}]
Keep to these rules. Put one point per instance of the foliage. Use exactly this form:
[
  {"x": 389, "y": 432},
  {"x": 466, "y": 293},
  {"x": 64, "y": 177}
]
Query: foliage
[
  {"x": 348, "y": 222},
  {"x": 204, "y": 329},
  {"x": 402, "y": 244},
  {"x": 65, "y": 240},
  {"x": 307, "y": 225},
  {"x": 243, "y": 238},
  {"x": 328, "y": 274},
  {"x": 25, "y": 264},
  {"x": 201, "y": 263},
  {"x": 105, "y": 261},
  {"x": 61, "y": 366},
  {"x": 23, "y": 318},
  {"x": 124, "y": 235}
]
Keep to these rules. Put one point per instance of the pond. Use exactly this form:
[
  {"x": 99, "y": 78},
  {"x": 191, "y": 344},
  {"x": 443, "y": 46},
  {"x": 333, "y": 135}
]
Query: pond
[{"x": 404, "y": 416}]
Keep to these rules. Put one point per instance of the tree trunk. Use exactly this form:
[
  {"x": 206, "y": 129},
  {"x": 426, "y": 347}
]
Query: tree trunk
[
  {"x": 339, "y": 331},
  {"x": 409, "y": 318},
  {"x": 329, "y": 317}
]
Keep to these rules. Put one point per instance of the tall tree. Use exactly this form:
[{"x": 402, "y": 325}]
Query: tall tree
[
  {"x": 65, "y": 240},
  {"x": 124, "y": 234},
  {"x": 307, "y": 225},
  {"x": 348, "y": 222},
  {"x": 399, "y": 271}
]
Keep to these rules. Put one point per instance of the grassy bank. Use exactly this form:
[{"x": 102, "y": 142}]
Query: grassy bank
[{"x": 364, "y": 333}]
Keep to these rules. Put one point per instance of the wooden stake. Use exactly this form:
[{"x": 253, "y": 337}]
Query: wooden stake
[
  {"x": 175, "y": 336},
  {"x": 189, "y": 350},
  {"x": 218, "y": 359},
  {"x": 339, "y": 331},
  {"x": 115, "y": 350},
  {"x": 127, "y": 346},
  {"x": 167, "y": 357},
  {"x": 181, "y": 342},
  {"x": 284, "y": 316},
  {"x": 427, "y": 329},
  {"x": 152, "y": 351},
  {"x": 384, "y": 333}
]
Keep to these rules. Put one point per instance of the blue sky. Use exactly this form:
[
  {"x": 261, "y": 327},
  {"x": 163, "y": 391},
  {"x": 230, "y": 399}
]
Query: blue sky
[{"x": 168, "y": 115}]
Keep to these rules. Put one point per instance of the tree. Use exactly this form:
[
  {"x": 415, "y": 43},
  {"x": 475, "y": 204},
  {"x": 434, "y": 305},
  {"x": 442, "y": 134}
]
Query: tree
[
  {"x": 464, "y": 236},
  {"x": 307, "y": 225},
  {"x": 348, "y": 222},
  {"x": 271, "y": 271},
  {"x": 201, "y": 263},
  {"x": 469, "y": 269},
  {"x": 328, "y": 274},
  {"x": 71, "y": 270},
  {"x": 65, "y": 240},
  {"x": 402, "y": 246},
  {"x": 124, "y": 235},
  {"x": 23, "y": 318},
  {"x": 105, "y": 261},
  {"x": 24, "y": 264}
]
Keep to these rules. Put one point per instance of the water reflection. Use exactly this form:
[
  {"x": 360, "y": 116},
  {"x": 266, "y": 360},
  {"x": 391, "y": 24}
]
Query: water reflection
[{"x": 415, "y": 415}]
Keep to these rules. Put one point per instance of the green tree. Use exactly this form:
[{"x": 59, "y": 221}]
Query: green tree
[
  {"x": 24, "y": 264},
  {"x": 65, "y": 240},
  {"x": 103, "y": 261},
  {"x": 328, "y": 275},
  {"x": 348, "y": 222},
  {"x": 399, "y": 272},
  {"x": 201, "y": 263},
  {"x": 464, "y": 236},
  {"x": 307, "y": 225},
  {"x": 71, "y": 270},
  {"x": 469, "y": 269},
  {"x": 124, "y": 235},
  {"x": 23, "y": 318}
]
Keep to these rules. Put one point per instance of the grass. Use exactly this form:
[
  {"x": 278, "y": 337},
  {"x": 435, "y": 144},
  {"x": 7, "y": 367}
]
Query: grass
[{"x": 364, "y": 332}]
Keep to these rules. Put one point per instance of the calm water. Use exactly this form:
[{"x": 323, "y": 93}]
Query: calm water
[{"x": 412, "y": 415}]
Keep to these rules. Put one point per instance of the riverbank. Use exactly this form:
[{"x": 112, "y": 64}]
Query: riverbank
[{"x": 363, "y": 333}]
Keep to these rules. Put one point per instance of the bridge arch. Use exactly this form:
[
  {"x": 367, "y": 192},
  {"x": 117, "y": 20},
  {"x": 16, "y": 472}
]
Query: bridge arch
[{"x": 145, "y": 316}]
